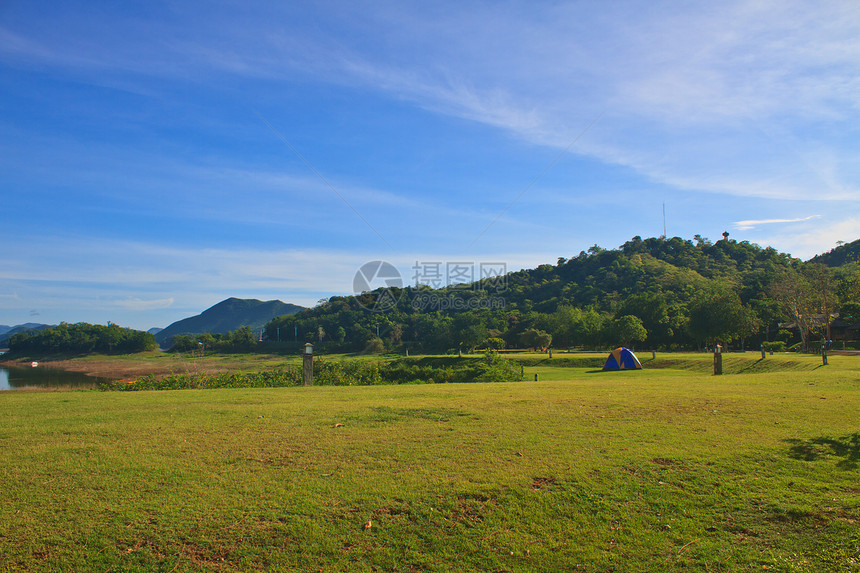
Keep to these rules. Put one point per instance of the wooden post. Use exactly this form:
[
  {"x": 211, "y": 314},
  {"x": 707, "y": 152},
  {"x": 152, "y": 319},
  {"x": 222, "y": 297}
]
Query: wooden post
[
  {"x": 308, "y": 365},
  {"x": 718, "y": 360}
]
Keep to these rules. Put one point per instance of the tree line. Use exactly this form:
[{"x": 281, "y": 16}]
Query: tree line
[
  {"x": 82, "y": 338},
  {"x": 654, "y": 293},
  {"x": 240, "y": 340}
]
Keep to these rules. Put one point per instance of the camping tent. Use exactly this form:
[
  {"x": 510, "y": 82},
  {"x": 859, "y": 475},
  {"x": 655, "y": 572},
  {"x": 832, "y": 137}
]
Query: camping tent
[{"x": 622, "y": 359}]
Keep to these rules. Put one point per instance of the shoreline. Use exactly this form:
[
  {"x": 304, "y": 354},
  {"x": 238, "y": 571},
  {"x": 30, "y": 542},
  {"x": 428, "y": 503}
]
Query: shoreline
[
  {"x": 157, "y": 364},
  {"x": 96, "y": 368}
]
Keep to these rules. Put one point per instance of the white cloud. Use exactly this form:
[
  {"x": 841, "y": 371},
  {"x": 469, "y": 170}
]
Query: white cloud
[
  {"x": 685, "y": 74},
  {"x": 815, "y": 238},
  {"x": 752, "y": 224},
  {"x": 744, "y": 98},
  {"x": 140, "y": 304},
  {"x": 141, "y": 284}
]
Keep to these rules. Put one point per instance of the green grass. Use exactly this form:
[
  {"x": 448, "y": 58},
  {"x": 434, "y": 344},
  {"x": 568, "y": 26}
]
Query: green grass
[{"x": 664, "y": 469}]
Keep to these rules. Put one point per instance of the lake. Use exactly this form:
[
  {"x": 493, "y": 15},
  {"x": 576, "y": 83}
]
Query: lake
[{"x": 12, "y": 378}]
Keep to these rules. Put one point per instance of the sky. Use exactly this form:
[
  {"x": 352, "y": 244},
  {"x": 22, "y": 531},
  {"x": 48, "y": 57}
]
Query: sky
[{"x": 158, "y": 157}]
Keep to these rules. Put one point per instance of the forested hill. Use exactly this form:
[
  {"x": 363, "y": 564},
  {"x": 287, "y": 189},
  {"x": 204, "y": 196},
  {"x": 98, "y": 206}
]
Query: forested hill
[
  {"x": 657, "y": 292},
  {"x": 841, "y": 255},
  {"x": 673, "y": 268},
  {"x": 228, "y": 315}
]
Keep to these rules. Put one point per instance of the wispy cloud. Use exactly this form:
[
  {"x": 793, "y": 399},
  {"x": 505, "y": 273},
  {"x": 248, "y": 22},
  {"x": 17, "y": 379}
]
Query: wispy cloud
[
  {"x": 703, "y": 83},
  {"x": 428, "y": 118},
  {"x": 808, "y": 242},
  {"x": 148, "y": 280},
  {"x": 752, "y": 223},
  {"x": 686, "y": 74},
  {"x": 138, "y": 304}
]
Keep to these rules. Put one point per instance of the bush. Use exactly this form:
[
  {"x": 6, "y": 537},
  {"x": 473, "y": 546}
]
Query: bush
[
  {"x": 494, "y": 368},
  {"x": 775, "y": 346},
  {"x": 374, "y": 346},
  {"x": 490, "y": 368}
]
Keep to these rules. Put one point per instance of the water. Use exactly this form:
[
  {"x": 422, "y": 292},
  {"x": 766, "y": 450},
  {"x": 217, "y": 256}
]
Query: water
[{"x": 12, "y": 378}]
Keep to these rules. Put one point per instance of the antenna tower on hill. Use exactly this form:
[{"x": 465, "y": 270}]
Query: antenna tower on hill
[{"x": 664, "y": 220}]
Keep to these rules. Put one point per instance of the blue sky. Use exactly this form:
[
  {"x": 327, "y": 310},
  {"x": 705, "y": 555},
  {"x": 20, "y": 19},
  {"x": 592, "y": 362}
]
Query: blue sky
[{"x": 156, "y": 158}]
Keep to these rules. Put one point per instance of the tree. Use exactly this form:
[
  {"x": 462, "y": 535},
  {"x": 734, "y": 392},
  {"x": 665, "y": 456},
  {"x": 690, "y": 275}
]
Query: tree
[
  {"x": 543, "y": 339},
  {"x": 470, "y": 329},
  {"x": 207, "y": 340},
  {"x": 653, "y": 311},
  {"x": 807, "y": 298},
  {"x": 533, "y": 338},
  {"x": 850, "y": 312},
  {"x": 717, "y": 315},
  {"x": 591, "y": 329},
  {"x": 629, "y": 329},
  {"x": 340, "y": 335},
  {"x": 243, "y": 339},
  {"x": 374, "y": 346},
  {"x": 563, "y": 324},
  {"x": 396, "y": 333}
]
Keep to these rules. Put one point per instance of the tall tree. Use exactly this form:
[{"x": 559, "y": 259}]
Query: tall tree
[
  {"x": 629, "y": 329},
  {"x": 717, "y": 315},
  {"x": 807, "y": 298}
]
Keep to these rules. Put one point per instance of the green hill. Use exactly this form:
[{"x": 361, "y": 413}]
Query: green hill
[
  {"x": 227, "y": 316},
  {"x": 657, "y": 293},
  {"x": 11, "y": 331},
  {"x": 841, "y": 255}
]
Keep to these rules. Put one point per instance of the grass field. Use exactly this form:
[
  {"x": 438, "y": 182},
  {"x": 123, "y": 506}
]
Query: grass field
[{"x": 665, "y": 469}]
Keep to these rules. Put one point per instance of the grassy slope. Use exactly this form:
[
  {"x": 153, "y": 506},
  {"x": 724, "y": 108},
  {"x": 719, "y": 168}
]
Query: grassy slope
[{"x": 630, "y": 471}]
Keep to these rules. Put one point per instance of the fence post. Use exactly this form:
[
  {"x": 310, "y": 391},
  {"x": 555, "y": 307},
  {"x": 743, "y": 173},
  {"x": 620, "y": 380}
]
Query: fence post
[
  {"x": 308, "y": 365},
  {"x": 718, "y": 360}
]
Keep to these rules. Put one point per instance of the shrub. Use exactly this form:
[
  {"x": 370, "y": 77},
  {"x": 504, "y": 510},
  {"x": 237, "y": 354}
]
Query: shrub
[
  {"x": 490, "y": 368},
  {"x": 374, "y": 346}
]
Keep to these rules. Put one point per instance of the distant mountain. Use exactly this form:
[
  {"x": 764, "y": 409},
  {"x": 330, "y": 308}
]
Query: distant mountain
[
  {"x": 228, "y": 315},
  {"x": 4, "y": 329},
  {"x": 154, "y": 330},
  {"x": 841, "y": 255},
  {"x": 12, "y": 331}
]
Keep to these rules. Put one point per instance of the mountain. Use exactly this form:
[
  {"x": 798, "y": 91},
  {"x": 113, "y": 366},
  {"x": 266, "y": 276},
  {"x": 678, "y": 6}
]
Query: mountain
[
  {"x": 4, "y": 328},
  {"x": 841, "y": 255},
  {"x": 154, "y": 330},
  {"x": 13, "y": 330},
  {"x": 228, "y": 315}
]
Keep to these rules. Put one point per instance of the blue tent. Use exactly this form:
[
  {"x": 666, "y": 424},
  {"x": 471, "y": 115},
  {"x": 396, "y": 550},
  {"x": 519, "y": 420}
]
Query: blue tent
[{"x": 622, "y": 359}]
